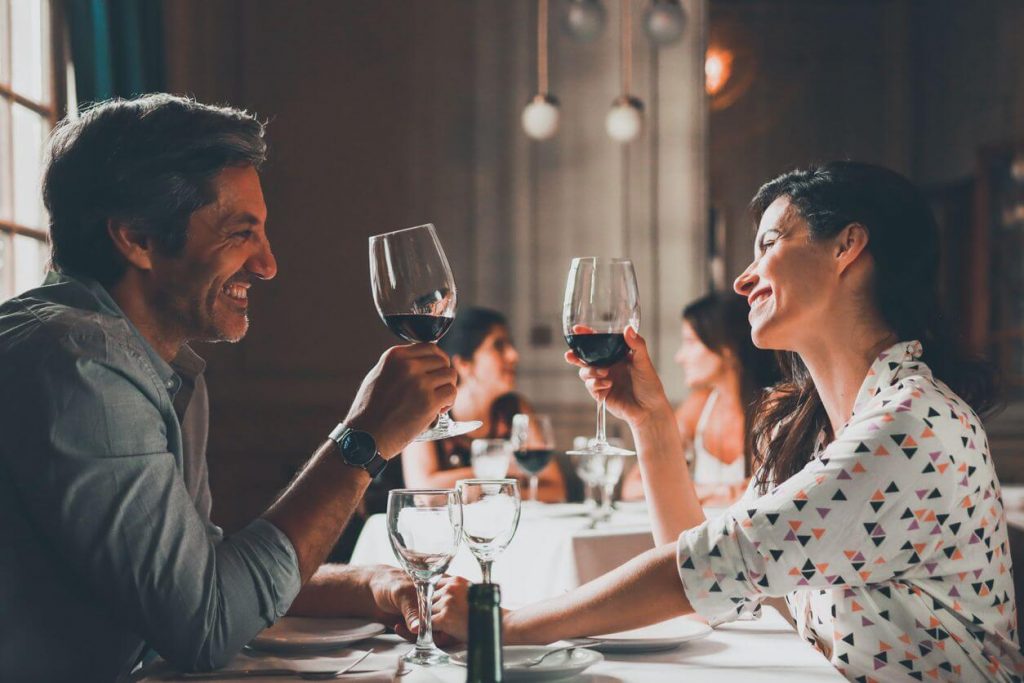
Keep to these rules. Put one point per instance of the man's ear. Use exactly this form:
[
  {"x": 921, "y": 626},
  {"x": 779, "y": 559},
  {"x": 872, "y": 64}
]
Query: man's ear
[
  {"x": 851, "y": 242},
  {"x": 136, "y": 248}
]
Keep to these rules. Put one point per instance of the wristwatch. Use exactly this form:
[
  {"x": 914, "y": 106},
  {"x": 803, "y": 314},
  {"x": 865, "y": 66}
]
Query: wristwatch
[{"x": 358, "y": 449}]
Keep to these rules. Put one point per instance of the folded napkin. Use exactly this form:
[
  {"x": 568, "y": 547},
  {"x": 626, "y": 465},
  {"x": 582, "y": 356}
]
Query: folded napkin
[{"x": 376, "y": 667}]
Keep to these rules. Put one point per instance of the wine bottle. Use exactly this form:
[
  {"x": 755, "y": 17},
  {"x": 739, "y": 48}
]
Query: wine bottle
[{"x": 483, "y": 659}]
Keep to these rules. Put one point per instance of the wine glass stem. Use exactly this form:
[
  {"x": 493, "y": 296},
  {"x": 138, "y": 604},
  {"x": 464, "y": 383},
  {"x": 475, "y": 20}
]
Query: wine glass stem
[
  {"x": 443, "y": 422},
  {"x": 533, "y": 487},
  {"x": 606, "y": 502},
  {"x": 600, "y": 437},
  {"x": 425, "y": 637},
  {"x": 485, "y": 570}
]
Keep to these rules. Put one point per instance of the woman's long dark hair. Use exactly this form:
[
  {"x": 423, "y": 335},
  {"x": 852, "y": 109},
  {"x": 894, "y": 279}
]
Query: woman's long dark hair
[
  {"x": 904, "y": 244},
  {"x": 469, "y": 330},
  {"x": 720, "y": 322}
]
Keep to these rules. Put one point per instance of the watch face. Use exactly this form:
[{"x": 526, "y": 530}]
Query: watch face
[{"x": 358, "y": 447}]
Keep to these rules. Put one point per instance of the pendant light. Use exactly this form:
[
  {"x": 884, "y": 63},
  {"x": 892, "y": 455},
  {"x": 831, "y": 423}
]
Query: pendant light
[
  {"x": 626, "y": 118},
  {"x": 540, "y": 117},
  {"x": 584, "y": 20}
]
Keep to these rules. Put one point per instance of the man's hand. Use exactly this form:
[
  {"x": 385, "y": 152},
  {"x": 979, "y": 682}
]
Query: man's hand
[{"x": 402, "y": 395}]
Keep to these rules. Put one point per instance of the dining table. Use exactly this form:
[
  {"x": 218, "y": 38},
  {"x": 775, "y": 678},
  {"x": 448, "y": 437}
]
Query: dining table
[{"x": 556, "y": 548}]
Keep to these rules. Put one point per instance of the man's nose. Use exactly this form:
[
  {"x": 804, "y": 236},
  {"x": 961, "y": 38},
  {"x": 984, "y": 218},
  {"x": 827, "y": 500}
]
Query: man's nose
[{"x": 263, "y": 264}]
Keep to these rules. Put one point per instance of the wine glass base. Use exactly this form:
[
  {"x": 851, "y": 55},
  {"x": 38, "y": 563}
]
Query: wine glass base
[
  {"x": 449, "y": 430},
  {"x": 432, "y": 657},
  {"x": 601, "y": 449}
]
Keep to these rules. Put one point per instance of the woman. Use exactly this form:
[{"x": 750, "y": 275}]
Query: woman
[
  {"x": 875, "y": 509},
  {"x": 485, "y": 359},
  {"x": 726, "y": 374}
]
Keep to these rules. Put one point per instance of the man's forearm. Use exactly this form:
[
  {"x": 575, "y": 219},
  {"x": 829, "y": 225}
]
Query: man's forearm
[
  {"x": 337, "y": 589},
  {"x": 316, "y": 506}
]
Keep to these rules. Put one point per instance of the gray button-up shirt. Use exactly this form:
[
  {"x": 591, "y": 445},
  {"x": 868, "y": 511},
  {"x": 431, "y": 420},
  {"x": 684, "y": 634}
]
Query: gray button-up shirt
[{"x": 106, "y": 544}]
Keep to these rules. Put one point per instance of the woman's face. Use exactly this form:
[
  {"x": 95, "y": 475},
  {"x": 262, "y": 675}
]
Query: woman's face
[
  {"x": 702, "y": 367},
  {"x": 493, "y": 365},
  {"x": 791, "y": 282}
]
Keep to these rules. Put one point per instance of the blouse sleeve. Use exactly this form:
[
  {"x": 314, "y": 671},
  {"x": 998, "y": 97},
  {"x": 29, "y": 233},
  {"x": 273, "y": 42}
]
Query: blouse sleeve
[{"x": 863, "y": 512}]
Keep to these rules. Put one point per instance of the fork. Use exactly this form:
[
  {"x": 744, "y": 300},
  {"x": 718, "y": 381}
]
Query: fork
[
  {"x": 258, "y": 673},
  {"x": 534, "y": 661}
]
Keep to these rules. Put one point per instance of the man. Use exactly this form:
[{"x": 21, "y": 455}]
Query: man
[{"x": 106, "y": 547}]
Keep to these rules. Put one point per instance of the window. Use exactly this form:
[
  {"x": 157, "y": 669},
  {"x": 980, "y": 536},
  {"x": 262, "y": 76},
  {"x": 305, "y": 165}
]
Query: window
[{"x": 28, "y": 110}]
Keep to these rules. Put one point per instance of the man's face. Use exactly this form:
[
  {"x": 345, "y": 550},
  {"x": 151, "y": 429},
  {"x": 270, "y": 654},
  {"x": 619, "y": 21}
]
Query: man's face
[{"x": 203, "y": 292}]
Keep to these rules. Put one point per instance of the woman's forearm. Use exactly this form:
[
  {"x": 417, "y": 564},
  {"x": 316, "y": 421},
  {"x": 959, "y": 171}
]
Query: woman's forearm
[
  {"x": 671, "y": 498},
  {"x": 643, "y": 591}
]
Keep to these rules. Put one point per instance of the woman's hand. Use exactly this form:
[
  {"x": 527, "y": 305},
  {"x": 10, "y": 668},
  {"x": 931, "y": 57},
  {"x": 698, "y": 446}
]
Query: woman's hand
[
  {"x": 450, "y": 612},
  {"x": 631, "y": 387}
]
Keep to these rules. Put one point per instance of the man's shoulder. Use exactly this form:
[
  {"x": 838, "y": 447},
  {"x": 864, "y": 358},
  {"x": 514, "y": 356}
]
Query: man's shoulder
[{"x": 36, "y": 326}]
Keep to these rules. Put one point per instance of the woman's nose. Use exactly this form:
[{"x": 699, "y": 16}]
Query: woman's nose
[{"x": 744, "y": 284}]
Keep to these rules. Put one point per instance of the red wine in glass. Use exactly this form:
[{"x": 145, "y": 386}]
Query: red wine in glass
[
  {"x": 533, "y": 443},
  {"x": 533, "y": 460},
  {"x": 414, "y": 291},
  {"x": 417, "y": 327},
  {"x": 600, "y": 350},
  {"x": 601, "y": 300}
]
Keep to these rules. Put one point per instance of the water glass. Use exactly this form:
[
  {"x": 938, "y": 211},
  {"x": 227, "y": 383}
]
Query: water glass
[
  {"x": 490, "y": 516},
  {"x": 425, "y": 526},
  {"x": 490, "y": 458}
]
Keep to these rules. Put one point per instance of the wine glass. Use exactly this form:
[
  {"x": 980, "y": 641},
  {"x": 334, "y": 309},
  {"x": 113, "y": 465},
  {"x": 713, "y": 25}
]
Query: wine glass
[
  {"x": 601, "y": 299},
  {"x": 490, "y": 516},
  {"x": 490, "y": 458},
  {"x": 414, "y": 292},
  {"x": 424, "y": 526},
  {"x": 533, "y": 444}
]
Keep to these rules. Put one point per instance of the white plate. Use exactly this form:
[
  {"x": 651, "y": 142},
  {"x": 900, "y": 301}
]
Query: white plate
[
  {"x": 305, "y": 634},
  {"x": 664, "y": 636},
  {"x": 558, "y": 665}
]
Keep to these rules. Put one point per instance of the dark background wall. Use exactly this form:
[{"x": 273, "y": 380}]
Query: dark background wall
[
  {"x": 372, "y": 107},
  {"x": 365, "y": 108}
]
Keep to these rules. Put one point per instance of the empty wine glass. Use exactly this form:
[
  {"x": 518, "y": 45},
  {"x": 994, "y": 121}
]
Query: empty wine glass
[
  {"x": 424, "y": 526},
  {"x": 490, "y": 516},
  {"x": 414, "y": 291},
  {"x": 601, "y": 299},
  {"x": 533, "y": 444},
  {"x": 490, "y": 458}
]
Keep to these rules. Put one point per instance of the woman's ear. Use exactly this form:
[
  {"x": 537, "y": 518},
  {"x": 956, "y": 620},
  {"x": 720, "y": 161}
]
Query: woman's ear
[
  {"x": 851, "y": 242},
  {"x": 135, "y": 247}
]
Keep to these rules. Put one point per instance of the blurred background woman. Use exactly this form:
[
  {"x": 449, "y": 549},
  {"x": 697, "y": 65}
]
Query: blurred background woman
[
  {"x": 725, "y": 373},
  {"x": 485, "y": 358}
]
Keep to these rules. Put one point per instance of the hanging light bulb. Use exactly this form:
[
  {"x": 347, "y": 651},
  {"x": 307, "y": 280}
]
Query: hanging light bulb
[
  {"x": 540, "y": 117},
  {"x": 664, "y": 22},
  {"x": 584, "y": 20},
  {"x": 625, "y": 120}
]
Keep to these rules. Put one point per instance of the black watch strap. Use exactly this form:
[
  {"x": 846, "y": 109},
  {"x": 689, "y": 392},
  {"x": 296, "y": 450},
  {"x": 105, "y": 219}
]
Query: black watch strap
[{"x": 374, "y": 464}]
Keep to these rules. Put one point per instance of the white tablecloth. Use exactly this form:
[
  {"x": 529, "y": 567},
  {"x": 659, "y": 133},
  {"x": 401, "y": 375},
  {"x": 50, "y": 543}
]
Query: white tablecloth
[
  {"x": 766, "y": 650},
  {"x": 553, "y": 550}
]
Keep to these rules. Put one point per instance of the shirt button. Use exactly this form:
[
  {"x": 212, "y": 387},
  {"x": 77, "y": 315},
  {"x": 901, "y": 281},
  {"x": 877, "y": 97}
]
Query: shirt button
[{"x": 170, "y": 384}]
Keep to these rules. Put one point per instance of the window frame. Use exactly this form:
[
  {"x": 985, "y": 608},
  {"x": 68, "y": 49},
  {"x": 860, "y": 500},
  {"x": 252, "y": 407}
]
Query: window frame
[{"x": 50, "y": 113}]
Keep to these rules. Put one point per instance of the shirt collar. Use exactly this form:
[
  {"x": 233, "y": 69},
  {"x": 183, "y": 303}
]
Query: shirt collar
[
  {"x": 884, "y": 370},
  {"x": 187, "y": 362}
]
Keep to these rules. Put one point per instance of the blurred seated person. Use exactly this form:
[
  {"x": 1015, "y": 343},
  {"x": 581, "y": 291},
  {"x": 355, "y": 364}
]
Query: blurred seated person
[
  {"x": 485, "y": 359},
  {"x": 725, "y": 373}
]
